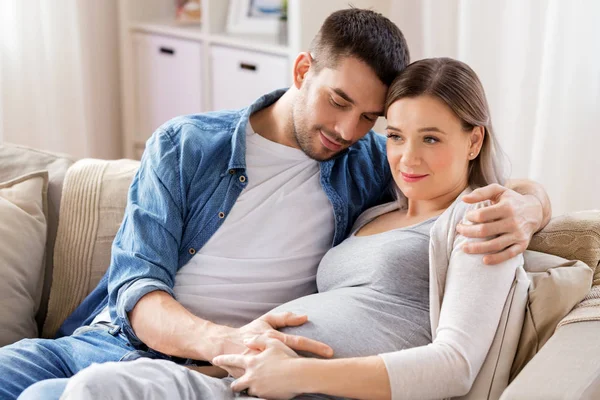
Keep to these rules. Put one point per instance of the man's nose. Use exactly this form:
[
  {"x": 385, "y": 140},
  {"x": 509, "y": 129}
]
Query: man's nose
[{"x": 347, "y": 129}]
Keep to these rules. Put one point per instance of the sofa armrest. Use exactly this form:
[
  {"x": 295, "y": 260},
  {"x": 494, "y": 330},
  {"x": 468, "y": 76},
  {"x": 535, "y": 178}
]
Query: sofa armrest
[{"x": 567, "y": 367}]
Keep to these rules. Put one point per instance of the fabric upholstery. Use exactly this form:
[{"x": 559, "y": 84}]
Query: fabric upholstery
[
  {"x": 23, "y": 227},
  {"x": 557, "y": 285},
  {"x": 575, "y": 236},
  {"x": 566, "y": 368},
  {"x": 16, "y": 161},
  {"x": 92, "y": 208}
]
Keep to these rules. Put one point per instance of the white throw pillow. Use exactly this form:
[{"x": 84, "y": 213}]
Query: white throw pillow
[{"x": 23, "y": 227}]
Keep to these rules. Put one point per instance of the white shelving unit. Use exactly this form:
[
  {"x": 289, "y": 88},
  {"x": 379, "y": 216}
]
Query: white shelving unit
[{"x": 143, "y": 93}]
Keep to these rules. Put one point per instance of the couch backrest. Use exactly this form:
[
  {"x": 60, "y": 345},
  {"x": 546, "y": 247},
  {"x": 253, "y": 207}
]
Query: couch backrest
[{"x": 93, "y": 204}]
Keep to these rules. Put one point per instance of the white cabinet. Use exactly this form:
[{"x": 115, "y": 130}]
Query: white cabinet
[
  {"x": 239, "y": 77},
  {"x": 168, "y": 80}
]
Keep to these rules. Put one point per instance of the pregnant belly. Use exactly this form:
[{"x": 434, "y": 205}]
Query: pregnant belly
[{"x": 358, "y": 322}]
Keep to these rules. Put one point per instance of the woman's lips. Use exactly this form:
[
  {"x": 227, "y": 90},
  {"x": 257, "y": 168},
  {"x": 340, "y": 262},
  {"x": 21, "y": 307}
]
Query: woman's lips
[
  {"x": 412, "y": 177},
  {"x": 328, "y": 143}
]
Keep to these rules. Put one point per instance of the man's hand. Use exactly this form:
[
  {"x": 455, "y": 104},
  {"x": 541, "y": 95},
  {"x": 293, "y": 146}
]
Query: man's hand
[
  {"x": 266, "y": 326},
  {"x": 511, "y": 222}
]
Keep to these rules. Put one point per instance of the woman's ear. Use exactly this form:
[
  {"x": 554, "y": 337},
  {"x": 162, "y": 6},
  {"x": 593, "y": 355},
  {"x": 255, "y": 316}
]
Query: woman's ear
[
  {"x": 476, "y": 141},
  {"x": 302, "y": 65}
]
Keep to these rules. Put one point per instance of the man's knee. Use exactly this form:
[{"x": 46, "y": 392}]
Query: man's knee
[{"x": 50, "y": 389}]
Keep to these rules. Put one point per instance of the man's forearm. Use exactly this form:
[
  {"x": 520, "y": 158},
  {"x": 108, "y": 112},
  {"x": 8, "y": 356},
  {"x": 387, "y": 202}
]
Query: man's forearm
[
  {"x": 534, "y": 189},
  {"x": 164, "y": 325}
]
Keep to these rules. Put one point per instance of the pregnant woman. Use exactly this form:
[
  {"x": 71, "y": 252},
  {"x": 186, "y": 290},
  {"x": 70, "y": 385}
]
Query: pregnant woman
[{"x": 408, "y": 313}]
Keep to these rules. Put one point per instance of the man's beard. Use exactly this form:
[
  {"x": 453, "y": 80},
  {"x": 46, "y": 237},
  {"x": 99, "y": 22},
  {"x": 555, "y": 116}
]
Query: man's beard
[{"x": 305, "y": 141}]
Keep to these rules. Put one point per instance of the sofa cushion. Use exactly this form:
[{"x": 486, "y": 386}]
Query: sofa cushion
[
  {"x": 17, "y": 161},
  {"x": 575, "y": 236},
  {"x": 92, "y": 209},
  {"x": 557, "y": 285},
  {"x": 23, "y": 212}
]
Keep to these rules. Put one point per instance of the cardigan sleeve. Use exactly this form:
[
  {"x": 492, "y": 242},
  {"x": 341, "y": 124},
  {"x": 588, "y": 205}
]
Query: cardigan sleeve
[{"x": 472, "y": 306}]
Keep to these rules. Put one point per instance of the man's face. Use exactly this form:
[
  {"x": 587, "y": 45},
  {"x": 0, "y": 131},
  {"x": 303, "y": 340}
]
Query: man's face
[{"x": 337, "y": 107}]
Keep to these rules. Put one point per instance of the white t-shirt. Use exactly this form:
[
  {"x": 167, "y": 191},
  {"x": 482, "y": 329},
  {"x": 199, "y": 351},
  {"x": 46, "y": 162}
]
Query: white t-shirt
[{"x": 269, "y": 247}]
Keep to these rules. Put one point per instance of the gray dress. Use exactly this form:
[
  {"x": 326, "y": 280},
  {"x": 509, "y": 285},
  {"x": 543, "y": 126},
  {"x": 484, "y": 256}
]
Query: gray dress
[
  {"x": 373, "y": 298},
  {"x": 373, "y": 294}
]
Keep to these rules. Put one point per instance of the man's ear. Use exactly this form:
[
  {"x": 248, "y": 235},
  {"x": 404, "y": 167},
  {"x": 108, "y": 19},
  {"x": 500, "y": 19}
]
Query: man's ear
[{"x": 302, "y": 65}]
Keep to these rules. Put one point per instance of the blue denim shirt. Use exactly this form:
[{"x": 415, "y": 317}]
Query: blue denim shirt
[{"x": 190, "y": 176}]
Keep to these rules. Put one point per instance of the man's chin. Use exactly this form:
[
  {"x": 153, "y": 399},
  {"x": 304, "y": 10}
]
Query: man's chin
[
  {"x": 324, "y": 155},
  {"x": 320, "y": 152}
]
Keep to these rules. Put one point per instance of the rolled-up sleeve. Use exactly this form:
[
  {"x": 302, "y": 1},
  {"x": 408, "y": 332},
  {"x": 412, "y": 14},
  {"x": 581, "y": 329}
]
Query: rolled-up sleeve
[{"x": 145, "y": 252}]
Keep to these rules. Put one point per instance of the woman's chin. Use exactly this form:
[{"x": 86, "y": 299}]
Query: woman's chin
[{"x": 411, "y": 192}]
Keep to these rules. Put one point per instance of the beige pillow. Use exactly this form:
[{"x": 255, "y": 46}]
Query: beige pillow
[
  {"x": 20, "y": 160},
  {"x": 557, "y": 285},
  {"x": 23, "y": 227}
]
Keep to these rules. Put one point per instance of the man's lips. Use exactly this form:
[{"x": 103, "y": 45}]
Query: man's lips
[
  {"x": 331, "y": 145},
  {"x": 412, "y": 177}
]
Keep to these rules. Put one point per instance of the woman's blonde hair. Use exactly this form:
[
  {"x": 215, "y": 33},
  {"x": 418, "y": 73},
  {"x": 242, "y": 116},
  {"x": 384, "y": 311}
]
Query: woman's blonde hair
[{"x": 458, "y": 86}]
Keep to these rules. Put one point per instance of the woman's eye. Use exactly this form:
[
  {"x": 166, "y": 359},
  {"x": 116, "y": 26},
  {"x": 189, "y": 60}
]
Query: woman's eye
[
  {"x": 431, "y": 139},
  {"x": 394, "y": 137}
]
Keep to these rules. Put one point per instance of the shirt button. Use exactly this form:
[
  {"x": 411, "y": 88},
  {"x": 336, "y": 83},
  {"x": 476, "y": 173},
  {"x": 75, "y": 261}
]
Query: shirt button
[
  {"x": 221, "y": 214},
  {"x": 242, "y": 178},
  {"x": 232, "y": 171},
  {"x": 192, "y": 251}
]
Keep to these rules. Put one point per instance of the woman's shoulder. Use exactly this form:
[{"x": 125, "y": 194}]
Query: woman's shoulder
[
  {"x": 456, "y": 213},
  {"x": 371, "y": 213}
]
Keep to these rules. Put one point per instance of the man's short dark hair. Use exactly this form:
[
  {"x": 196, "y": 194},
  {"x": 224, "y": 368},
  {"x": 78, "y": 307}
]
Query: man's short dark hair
[{"x": 366, "y": 35}]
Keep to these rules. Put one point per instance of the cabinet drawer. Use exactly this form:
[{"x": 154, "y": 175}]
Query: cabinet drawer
[
  {"x": 239, "y": 77},
  {"x": 168, "y": 80}
]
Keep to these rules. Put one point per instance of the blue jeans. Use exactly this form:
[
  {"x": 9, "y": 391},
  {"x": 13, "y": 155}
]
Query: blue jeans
[{"x": 29, "y": 361}]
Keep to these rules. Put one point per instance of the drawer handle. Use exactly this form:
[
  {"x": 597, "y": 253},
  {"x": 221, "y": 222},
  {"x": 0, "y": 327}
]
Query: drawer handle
[
  {"x": 249, "y": 67},
  {"x": 166, "y": 50}
]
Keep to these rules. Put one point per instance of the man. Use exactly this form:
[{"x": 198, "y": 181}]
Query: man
[{"x": 230, "y": 213}]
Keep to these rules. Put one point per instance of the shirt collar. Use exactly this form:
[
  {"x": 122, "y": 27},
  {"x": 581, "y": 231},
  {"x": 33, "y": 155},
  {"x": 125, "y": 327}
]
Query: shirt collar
[{"x": 238, "y": 140}]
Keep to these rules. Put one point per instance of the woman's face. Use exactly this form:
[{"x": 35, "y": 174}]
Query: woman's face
[{"x": 427, "y": 148}]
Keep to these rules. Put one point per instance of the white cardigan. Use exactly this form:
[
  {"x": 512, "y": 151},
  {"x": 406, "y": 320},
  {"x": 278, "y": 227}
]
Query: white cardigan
[{"x": 467, "y": 308}]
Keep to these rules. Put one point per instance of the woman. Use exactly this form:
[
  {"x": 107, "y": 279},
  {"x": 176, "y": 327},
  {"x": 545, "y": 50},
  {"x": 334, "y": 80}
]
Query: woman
[{"x": 380, "y": 296}]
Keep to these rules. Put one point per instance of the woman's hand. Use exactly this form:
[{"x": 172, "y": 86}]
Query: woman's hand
[{"x": 270, "y": 372}]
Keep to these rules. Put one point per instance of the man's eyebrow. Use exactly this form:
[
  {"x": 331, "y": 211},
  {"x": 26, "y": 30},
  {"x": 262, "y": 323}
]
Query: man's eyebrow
[{"x": 345, "y": 96}]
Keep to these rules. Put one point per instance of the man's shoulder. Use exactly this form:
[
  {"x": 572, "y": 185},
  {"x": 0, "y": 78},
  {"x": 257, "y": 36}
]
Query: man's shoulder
[
  {"x": 370, "y": 142},
  {"x": 192, "y": 141},
  {"x": 214, "y": 122}
]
